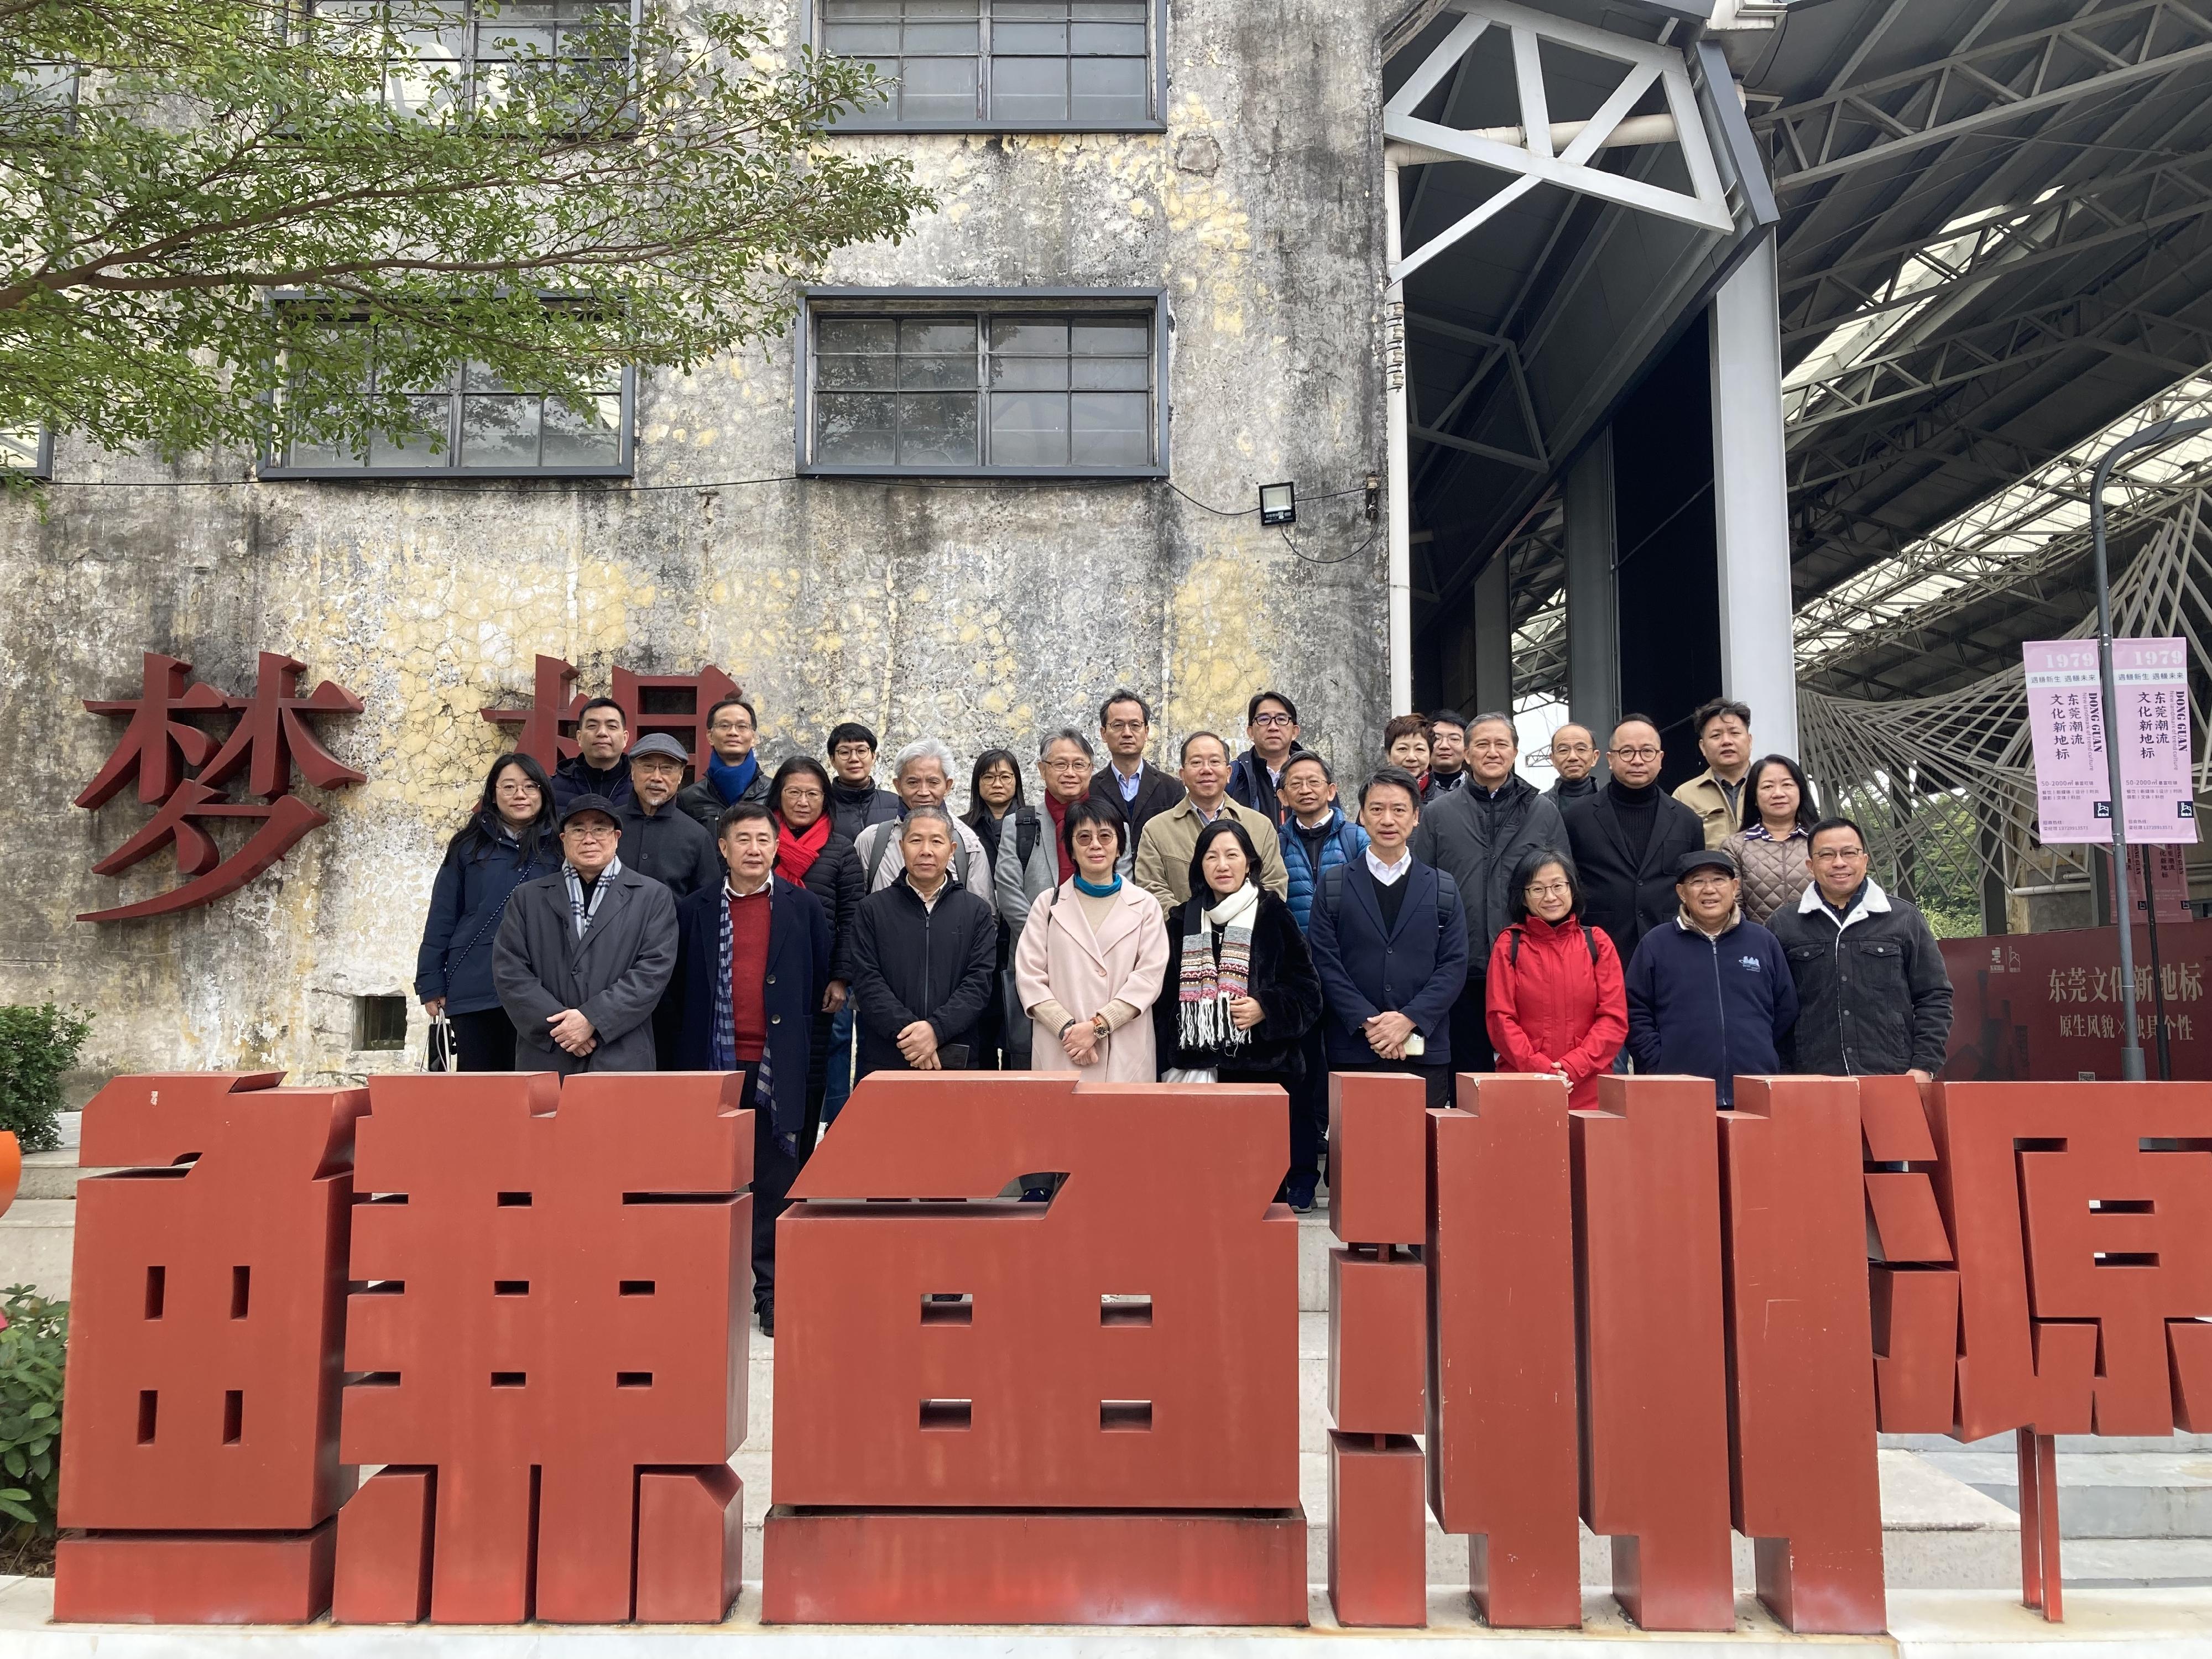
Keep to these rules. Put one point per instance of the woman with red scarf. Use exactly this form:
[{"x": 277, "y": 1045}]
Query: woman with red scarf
[{"x": 811, "y": 853}]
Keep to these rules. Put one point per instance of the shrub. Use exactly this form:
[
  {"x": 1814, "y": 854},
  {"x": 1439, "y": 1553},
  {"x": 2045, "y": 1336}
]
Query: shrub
[
  {"x": 33, "y": 1349},
  {"x": 37, "y": 1045}
]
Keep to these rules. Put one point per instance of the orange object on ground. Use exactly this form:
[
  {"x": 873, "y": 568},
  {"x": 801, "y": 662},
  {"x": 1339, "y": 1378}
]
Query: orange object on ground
[
  {"x": 1377, "y": 1532},
  {"x": 554, "y": 1280},
  {"x": 1378, "y": 1344},
  {"x": 1655, "y": 1407},
  {"x": 1129, "y": 1347},
  {"x": 1503, "y": 1430},
  {"x": 11, "y": 1169},
  {"x": 1377, "y": 1154},
  {"x": 1805, "y": 1486},
  {"x": 208, "y": 1287}
]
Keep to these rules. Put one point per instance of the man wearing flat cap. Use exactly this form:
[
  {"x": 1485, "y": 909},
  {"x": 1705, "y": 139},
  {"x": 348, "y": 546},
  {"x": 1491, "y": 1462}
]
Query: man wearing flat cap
[
  {"x": 1711, "y": 995},
  {"x": 658, "y": 838},
  {"x": 584, "y": 954}
]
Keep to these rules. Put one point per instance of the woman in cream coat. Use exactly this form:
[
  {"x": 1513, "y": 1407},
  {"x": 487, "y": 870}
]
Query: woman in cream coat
[{"x": 1090, "y": 959}]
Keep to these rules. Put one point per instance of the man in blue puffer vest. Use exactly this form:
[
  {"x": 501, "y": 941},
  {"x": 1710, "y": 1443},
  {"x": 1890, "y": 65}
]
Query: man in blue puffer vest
[
  {"x": 1316, "y": 837},
  {"x": 1712, "y": 995}
]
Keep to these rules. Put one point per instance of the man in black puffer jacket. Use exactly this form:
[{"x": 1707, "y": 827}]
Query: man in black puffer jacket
[
  {"x": 1480, "y": 833},
  {"x": 925, "y": 958}
]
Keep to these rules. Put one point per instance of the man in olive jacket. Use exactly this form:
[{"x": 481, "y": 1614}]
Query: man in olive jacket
[
  {"x": 1874, "y": 998},
  {"x": 584, "y": 954}
]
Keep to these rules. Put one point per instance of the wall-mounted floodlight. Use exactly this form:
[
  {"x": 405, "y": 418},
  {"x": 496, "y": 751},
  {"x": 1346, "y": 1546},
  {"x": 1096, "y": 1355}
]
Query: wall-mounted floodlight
[{"x": 1278, "y": 503}]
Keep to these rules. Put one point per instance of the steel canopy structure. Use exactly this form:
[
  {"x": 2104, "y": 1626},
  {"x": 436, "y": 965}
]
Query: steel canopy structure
[{"x": 1990, "y": 221}]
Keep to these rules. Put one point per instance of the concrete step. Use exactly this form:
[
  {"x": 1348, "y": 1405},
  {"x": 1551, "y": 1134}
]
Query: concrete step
[
  {"x": 2163, "y": 1494},
  {"x": 2085, "y": 1444}
]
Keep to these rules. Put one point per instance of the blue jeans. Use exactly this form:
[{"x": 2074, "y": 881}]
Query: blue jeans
[{"x": 839, "y": 1080}]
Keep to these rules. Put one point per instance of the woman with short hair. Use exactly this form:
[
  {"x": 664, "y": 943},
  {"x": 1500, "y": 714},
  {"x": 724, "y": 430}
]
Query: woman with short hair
[
  {"x": 1088, "y": 965},
  {"x": 1773, "y": 847},
  {"x": 508, "y": 840},
  {"x": 1406, "y": 745},
  {"x": 1555, "y": 1002}
]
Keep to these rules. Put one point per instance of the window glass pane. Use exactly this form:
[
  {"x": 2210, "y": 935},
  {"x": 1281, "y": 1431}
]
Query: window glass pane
[
  {"x": 856, "y": 334},
  {"x": 1029, "y": 88},
  {"x": 1030, "y": 373},
  {"x": 499, "y": 431},
  {"x": 937, "y": 430},
  {"x": 937, "y": 39},
  {"x": 313, "y": 454},
  {"x": 929, "y": 12},
  {"x": 1113, "y": 374},
  {"x": 1111, "y": 429},
  {"x": 1007, "y": 37},
  {"x": 1117, "y": 336},
  {"x": 573, "y": 440},
  {"x": 1027, "y": 11},
  {"x": 1104, "y": 91},
  {"x": 933, "y": 373},
  {"x": 1107, "y": 11},
  {"x": 863, "y": 40},
  {"x": 836, "y": 372},
  {"x": 1029, "y": 337},
  {"x": 857, "y": 430},
  {"x": 415, "y": 449},
  {"x": 1029, "y": 429},
  {"x": 849, "y": 11},
  {"x": 937, "y": 88},
  {"x": 926, "y": 334},
  {"x": 1108, "y": 40}
]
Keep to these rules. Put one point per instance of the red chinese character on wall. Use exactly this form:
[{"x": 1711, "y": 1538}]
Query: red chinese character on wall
[
  {"x": 163, "y": 739},
  {"x": 676, "y": 704}
]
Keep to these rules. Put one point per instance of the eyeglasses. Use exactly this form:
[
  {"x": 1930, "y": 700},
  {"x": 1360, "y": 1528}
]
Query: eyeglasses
[
  {"x": 1125, "y": 727},
  {"x": 1271, "y": 720},
  {"x": 1641, "y": 752},
  {"x": 1549, "y": 889},
  {"x": 592, "y": 832},
  {"x": 1067, "y": 763},
  {"x": 1839, "y": 855},
  {"x": 1709, "y": 884}
]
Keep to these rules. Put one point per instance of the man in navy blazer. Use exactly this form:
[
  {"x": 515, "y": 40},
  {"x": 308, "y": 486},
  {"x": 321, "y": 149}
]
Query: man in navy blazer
[
  {"x": 1389, "y": 939},
  {"x": 752, "y": 963}
]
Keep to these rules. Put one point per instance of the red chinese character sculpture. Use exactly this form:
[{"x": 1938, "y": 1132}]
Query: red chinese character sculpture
[
  {"x": 271, "y": 737},
  {"x": 543, "y": 729},
  {"x": 550, "y": 1332},
  {"x": 209, "y": 1288},
  {"x": 1084, "y": 1411}
]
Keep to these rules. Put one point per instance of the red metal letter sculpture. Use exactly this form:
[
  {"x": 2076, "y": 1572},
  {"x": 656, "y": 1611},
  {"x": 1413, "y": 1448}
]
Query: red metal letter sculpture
[
  {"x": 545, "y": 726},
  {"x": 1084, "y": 1411},
  {"x": 551, "y": 1323},
  {"x": 203, "y": 1408},
  {"x": 270, "y": 738},
  {"x": 1503, "y": 1428}
]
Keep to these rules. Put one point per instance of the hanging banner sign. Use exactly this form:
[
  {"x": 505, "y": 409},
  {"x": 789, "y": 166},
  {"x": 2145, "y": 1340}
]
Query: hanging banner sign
[{"x": 2066, "y": 718}]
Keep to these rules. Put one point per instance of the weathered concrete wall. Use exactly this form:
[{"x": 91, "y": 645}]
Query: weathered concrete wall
[{"x": 983, "y": 613}]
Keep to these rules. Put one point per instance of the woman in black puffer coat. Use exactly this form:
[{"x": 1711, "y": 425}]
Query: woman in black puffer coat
[{"x": 810, "y": 853}]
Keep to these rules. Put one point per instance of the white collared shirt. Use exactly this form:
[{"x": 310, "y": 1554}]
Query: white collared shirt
[{"x": 1388, "y": 874}]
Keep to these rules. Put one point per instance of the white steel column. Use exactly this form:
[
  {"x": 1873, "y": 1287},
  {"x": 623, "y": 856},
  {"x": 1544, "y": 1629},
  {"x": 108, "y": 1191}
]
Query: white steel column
[
  {"x": 1399, "y": 484},
  {"x": 1751, "y": 502},
  {"x": 1593, "y": 632}
]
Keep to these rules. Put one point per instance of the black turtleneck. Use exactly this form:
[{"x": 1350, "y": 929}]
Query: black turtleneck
[{"x": 1638, "y": 812}]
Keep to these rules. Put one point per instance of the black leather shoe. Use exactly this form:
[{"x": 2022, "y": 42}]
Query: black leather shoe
[{"x": 767, "y": 1313}]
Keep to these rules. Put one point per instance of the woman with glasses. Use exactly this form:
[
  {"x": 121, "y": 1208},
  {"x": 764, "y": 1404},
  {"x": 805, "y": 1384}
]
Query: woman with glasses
[
  {"x": 1022, "y": 866},
  {"x": 1771, "y": 848},
  {"x": 508, "y": 839},
  {"x": 1555, "y": 998}
]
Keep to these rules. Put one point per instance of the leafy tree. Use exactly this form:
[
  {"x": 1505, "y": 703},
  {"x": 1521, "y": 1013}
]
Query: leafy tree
[{"x": 225, "y": 210}]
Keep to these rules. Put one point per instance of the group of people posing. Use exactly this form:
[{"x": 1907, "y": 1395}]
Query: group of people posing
[{"x": 1233, "y": 922}]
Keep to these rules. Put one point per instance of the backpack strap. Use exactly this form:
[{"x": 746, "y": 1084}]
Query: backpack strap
[{"x": 1513, "y": 950}]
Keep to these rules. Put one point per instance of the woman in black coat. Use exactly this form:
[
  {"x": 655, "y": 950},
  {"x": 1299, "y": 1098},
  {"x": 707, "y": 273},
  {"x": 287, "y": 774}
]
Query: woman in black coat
[
  {"x": 508, "y": 840},
  {"x": 810, "y": 853},
  {"x": 1240, "y": 989}
]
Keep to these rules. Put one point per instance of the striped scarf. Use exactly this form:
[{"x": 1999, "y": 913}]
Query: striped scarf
[
  {"x": 580, "y": 912},
  {"x": 726, "y": 1018},
  {"x": 1207, "y": 988}
]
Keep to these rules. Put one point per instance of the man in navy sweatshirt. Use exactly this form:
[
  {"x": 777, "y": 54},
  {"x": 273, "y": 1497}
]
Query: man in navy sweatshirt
[{"x": 1712, "y": 995}]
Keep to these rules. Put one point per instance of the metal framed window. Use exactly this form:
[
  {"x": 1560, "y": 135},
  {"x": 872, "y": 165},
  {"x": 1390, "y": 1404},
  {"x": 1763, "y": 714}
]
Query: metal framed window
[
  {"x": 27, "y": 450},
  {"x": 474, "y": 425},
  {"x": 1004, "y": 65},
  {"x": 1051, "y": 383},
  {"x": 468, "y": 50}
]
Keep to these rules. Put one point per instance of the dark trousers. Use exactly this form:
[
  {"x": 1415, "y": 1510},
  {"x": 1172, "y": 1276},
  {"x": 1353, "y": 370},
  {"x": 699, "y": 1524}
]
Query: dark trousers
[
  {"x": 1309, "y": 1106},
  {"x": 1436, "y": 1079},
  {"x": 483, "y": 1041},
  {"x": 1470, "y": 1032},
  {"x": 773, "y": 1171}
]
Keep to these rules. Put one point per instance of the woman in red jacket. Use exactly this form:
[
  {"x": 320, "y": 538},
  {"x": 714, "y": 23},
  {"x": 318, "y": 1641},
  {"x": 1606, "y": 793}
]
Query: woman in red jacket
[{"x": 1555, "y": 1002}]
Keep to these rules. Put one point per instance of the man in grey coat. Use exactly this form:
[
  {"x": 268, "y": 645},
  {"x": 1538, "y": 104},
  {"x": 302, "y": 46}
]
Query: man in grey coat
[
  {"x": 583, "y": 955},
  {"x": 1479, "y": 834}
]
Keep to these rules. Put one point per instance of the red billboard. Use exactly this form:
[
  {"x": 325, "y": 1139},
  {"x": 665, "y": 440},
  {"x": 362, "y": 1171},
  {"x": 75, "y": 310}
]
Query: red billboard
[{"x": 2051, "y": 1007}]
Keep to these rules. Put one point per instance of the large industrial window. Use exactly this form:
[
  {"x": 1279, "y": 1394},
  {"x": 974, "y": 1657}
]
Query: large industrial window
[
  {"x": 1007, "y": 384},
  {"x": 474, "y": 424},
  {"x": 959, "y": 65},
  {"x": 445, "y": 51}
]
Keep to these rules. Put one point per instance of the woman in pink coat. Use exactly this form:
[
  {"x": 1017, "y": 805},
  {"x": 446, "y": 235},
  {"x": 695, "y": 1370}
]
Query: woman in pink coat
[{"x": 1091, "y": 958}]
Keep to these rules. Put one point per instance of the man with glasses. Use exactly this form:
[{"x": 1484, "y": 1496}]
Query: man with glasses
[
  {"x": 1574, "y": 758},
  {"x": 1710, "y": 993},
  {"x": 584, "y": 956},
  {"x": 1447, "y": 753},
  {"x": 1478, "y": 835},
  {"x": 856, "y": 802},
  {"x": 1627, "y": 837},
  {"x": 1876, "y": 996},
  {"x": 1129, "y": 782},
  {"x": 733, "y": 771},
  {"x": 1271, "y": 721}
]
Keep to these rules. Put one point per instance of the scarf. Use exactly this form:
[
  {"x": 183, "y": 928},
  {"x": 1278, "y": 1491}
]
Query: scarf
[
  {"x": 1058, "y": 809},
  {"x": 580, "y": 912},
  {"x": 796, "y": 851},
  {"x": 726, "y": 1020},
  {"x": 729, "y": 781},
  {"x": 1208, "y": 988}
]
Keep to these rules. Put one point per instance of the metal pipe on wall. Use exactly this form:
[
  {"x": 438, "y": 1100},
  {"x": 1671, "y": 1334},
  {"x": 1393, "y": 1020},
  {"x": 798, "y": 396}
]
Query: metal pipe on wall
[{"x": 1401, "y": 488}]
